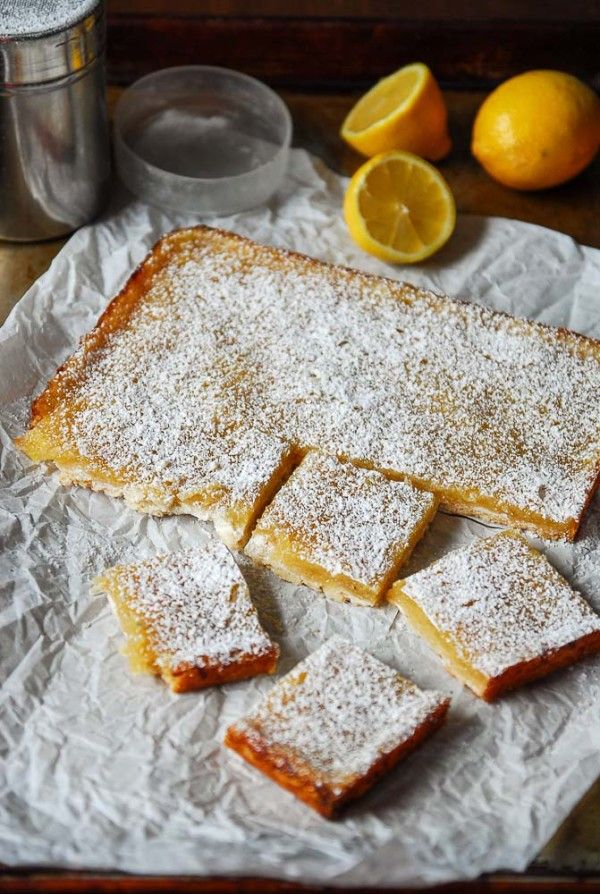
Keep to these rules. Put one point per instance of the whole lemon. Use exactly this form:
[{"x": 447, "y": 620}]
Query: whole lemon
[{"x": 537, "y": 130}]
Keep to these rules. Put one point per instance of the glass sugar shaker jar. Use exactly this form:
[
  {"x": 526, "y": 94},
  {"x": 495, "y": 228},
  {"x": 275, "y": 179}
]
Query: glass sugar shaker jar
[{"x": 54, "y": 146}]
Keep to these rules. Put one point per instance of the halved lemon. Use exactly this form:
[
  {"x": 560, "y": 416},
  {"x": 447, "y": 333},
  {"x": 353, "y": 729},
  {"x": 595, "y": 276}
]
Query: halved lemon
[
  {"x": 406, "y": 111},
  {"x": 399, "y": 208}
]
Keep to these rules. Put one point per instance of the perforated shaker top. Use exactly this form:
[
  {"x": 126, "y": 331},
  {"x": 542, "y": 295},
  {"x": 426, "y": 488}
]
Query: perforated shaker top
[{"x": 29, "y": 18}]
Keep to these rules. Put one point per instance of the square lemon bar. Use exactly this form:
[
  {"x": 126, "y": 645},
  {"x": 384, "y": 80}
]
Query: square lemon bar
[
  {"x": 341, "y": 529},
  {"x": 188, "y": 618},
  {"x": 335, "y": 724},
  {"x": 498, "y": 614}
]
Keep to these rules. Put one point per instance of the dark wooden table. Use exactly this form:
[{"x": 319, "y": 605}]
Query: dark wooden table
[{"x": 571, "y": 861}]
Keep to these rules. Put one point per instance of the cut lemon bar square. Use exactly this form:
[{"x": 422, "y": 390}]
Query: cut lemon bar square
[
  {"x": 335, "y": 724},
  {"x": 498, "y": 614},
  {"x": 341, "y": 529},
  {"x": 188, "y": 618}
]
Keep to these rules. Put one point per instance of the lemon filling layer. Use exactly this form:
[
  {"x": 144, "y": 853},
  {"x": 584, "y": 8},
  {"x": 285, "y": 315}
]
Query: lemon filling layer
[{"x": 440, "y": 643}]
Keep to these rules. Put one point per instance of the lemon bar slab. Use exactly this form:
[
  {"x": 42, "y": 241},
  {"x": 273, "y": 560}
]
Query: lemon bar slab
[
  {"x": 336, "y": 723},
  {"x": 498, "y": 614},
  {"x": 224, "y": 476},
  {"x": 188, "y": 618},
  {"x": 341, "y": 529},
  {"x": 497, "y": 416}
]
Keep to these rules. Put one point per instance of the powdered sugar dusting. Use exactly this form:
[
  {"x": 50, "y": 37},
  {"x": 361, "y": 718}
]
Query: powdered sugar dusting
[
  {"x": 345, "y": 519},
  {"x": 249, "y": 337},
  {"x": 501, "y": 602},
  {"x": 339, "y": 710},
  {"x": 195, "y": 606},
  {"x": 164, "y": 444}
]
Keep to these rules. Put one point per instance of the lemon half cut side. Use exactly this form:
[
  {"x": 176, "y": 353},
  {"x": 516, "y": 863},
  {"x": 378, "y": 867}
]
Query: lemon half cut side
[
  {"x": 399, "y": 208},
  {"x": 405, "y": 111}
]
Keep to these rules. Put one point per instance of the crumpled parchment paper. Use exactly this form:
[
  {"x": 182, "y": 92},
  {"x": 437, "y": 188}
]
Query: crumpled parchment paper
[{"x": 101, "y": 769}]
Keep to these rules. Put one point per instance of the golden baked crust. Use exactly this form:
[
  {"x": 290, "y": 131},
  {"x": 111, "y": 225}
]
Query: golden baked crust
[
  {"x": 334, "y": 725},
  {"x": 498, "y": 614},
  {"x": 216, "y": 341},
  {"x": 341, "y": 529},
  {"x": 188, "y": 618}
]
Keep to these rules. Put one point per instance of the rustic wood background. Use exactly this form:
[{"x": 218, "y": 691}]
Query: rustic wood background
[{"x": 308, "y": 44}]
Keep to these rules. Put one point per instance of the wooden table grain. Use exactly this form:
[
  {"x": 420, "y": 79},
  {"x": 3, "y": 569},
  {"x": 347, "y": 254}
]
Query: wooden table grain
[{"x": 571, "y": 861}]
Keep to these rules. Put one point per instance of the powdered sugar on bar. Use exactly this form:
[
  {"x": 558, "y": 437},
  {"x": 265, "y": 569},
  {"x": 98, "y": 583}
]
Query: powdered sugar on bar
[{"x": 498, "y": 415}]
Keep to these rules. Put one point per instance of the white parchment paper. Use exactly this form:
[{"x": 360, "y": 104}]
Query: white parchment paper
[{"x": 101, "y": 769}]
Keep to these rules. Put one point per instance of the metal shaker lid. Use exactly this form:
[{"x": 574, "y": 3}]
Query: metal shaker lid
[{"x": 42, "y": 40}]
